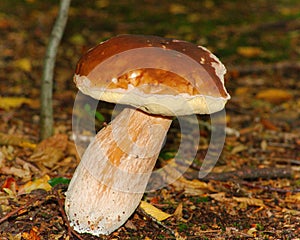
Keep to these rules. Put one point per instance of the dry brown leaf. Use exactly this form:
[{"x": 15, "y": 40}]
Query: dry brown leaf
[
  {"x": 239, "y": 148},
  {"x": 50, "y": 151},
  {"x": 295, "y": 198},
  {"x": 220, "y": 197},
  {"x": 20, "y": 141},
  {"x": 32, "y": 234},
  {"x": 153, "y": 211},
  {"x": 275, "y": 96},
  {"x": 178, "y": 211},
  {"x": 23, "y": 173},
  {"x": 250, "y": 201},
  {"x": 58, "y": 141},
  {"x": 190, "y": 187}
]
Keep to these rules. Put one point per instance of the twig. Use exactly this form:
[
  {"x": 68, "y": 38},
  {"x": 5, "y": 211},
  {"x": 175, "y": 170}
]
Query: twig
[
  {"x": 290, "y": 161},
  {"x": 71, "y": 231},
  {"x": 143, "y": 213},
  {"x": 250, "y": 174},
  {"x": 268, "y": 188},
  {"x": 46, "y": 122},
  {"x": 26, "y": 205}
]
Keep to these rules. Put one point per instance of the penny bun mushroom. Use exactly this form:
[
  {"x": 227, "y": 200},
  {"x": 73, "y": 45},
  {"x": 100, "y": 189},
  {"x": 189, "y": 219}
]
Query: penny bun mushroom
[{"x": 156, "y": 78}]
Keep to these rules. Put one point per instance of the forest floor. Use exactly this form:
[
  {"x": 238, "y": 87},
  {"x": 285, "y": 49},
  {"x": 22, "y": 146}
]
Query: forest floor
[{"x": 253, "y": 191}]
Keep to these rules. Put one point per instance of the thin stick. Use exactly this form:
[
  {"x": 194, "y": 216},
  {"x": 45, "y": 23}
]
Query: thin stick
[
  {"x": 46, "y": 120},
  {"x": 271, "y": 189},
  {"x": 26, "y": 205},
  {"x": 250, "y": 174},
  {"x": 71, "y": 231},
  {"x": 143, "y": 213}
]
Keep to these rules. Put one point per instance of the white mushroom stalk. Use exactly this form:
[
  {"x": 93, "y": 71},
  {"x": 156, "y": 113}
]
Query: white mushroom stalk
[{"x": 111, "y": 178}]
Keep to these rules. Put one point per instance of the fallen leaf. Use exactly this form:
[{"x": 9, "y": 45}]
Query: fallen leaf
[
  {"x": 40, "y": 183},
  {"x": 10, "y": 182},
  {"x": 18, "y": 172},
  {"x": 176, "y": 8},
  {"x": 15, "y": 140},
  {"x": 249, "y": 51},
  {"x": 242, "y": 91},
  {"x": 50, "y": 151},
  {"x": 31, "y": 235},
  {"x": 250, "y": 201},
  {"x": 77, "y": 39},
  {"x": 239, "y": 148},
  {"x": 23, "y": 64},
  {"x": 7, "y": 103},
  {"x": 220, "y": 197},
  {"x": 190, "y": 187},
  {"x": 275, "y": 96},
  {"x": 295, "y": 198},
  {"x": 178, "y": 211},
  {"x": 130, "y": 225},
  {"x": 153, "y": 211},
  {"x": 268, "y": 124}
]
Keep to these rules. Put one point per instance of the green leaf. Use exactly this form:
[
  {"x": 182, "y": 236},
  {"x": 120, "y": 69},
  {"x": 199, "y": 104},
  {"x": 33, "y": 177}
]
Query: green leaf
[
  {"x": 60, "y": 180},
  {"x": 99, "y": 117},
  {"x": 167, "y": 155}
]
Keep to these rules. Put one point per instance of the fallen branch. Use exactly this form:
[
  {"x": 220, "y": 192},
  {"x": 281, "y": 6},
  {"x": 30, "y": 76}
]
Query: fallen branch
[
  {"x": 250, "y": 174},
  {"x": 269, "y": 188}
]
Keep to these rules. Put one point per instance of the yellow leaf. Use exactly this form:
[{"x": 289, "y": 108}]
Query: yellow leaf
[
  {"x": 273, "y": 95},
  {"x": 248, "y": 51},
  {"x": 178, "y": 211},
  {"x": 242, "y": 91},
  {"x": 154, "y": 212},
  {"x": 293, "y": 198},
  {"x": 40, "y": 183},
  {"x": 15, "y": 140},
  {"x": 102, "y": 3},
  {"x": 23, "y": 64},
  {"x": 77, "y": 39},
  {"x": 239, "y": 148},
  {"x": 7, "y": 103},
  {"x": 176, "y": 8}
]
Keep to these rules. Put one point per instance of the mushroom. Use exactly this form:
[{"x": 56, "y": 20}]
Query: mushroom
[{"x": 155, "y": 78}]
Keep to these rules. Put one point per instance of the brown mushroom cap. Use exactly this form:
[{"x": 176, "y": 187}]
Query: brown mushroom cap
[{"x": 146, "y": 71}]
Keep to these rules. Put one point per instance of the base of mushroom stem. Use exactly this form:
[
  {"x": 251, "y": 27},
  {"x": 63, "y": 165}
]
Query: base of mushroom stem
[{"x": 107, "y": 186}]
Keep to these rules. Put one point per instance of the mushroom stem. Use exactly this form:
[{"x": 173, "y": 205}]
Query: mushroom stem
[{"x": 111, "y": 178}]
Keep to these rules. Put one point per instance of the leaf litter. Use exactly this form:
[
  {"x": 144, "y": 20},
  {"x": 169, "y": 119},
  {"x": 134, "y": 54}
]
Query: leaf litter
[{"x": 262, "y": 119}]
